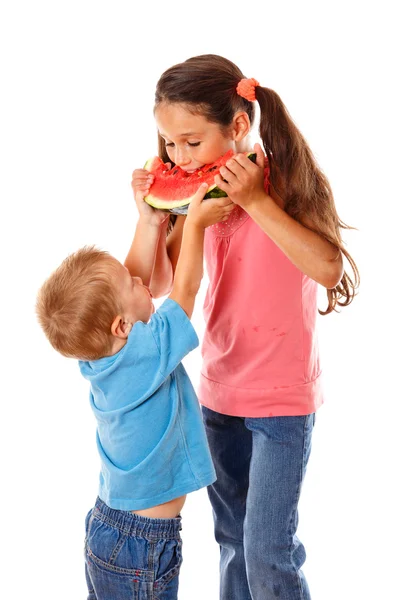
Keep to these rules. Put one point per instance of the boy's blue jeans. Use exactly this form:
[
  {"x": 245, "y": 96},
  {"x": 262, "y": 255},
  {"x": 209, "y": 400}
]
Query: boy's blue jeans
[
  {"x": 260, "y": 465},
  {"x": 131, "y": 557}
]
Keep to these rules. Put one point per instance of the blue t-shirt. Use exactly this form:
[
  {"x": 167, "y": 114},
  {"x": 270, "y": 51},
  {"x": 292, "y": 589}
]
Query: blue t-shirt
[{"x": 150, "y": 434}]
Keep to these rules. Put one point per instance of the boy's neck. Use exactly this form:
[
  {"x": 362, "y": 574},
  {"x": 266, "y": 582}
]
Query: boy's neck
[{"x": 117, "y": 345}]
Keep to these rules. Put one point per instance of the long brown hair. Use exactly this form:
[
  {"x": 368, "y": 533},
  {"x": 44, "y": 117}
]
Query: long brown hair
[{"x": 207, "y": 85}]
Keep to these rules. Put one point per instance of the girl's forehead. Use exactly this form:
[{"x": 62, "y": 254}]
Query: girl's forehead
[{"x": 178, "y": 120}]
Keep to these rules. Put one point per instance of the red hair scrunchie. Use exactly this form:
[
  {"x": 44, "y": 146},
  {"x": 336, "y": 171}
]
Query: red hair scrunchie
[{"x": 247, "y": 88}]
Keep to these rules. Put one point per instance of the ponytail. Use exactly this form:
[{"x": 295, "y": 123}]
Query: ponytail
[
  {"x": 217, "y": 89},
  {"x": 298, "y": 179}
]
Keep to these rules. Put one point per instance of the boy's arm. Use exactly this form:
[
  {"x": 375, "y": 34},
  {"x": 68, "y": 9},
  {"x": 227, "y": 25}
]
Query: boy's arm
[
  {"x": 164, "y": 265},
  {"x": 166, "y": 259},
  {"x": 189, "y": 270}
]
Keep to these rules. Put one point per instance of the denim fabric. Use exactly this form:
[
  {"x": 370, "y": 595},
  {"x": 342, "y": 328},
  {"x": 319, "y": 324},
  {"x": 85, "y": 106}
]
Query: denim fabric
[
  {"x": 131, "y": 557},
  {"x": 260, "y": 465}
]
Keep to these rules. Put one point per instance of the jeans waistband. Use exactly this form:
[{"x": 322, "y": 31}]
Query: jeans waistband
[{"x": 136, "y": 525}]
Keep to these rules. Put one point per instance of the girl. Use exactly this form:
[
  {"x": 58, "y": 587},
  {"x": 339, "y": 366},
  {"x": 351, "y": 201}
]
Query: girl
[{"x": 260, "y": 380}]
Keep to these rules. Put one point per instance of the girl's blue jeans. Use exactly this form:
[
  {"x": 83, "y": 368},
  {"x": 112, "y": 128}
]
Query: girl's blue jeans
[
  {"x": 131, "y": 557},
  {"x": 260, "y": 465}
]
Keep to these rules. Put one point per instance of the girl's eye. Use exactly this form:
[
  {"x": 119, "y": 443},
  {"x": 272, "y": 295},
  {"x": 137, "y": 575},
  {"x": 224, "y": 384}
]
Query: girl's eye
[{"x": 170, "y": 144}]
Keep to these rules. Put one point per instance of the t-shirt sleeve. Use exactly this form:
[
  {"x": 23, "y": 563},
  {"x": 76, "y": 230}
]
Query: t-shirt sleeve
[{"x": 173, "y": 334}]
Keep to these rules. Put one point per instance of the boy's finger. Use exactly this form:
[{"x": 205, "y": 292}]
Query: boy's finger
[
  {"x": 224, "y": 201},
  {"x": 228, "y": 209},
  {"x": 201, "y": 192}
]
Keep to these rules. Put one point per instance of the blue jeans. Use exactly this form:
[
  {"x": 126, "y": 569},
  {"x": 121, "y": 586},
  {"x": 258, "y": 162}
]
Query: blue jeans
[
  {"x": 260, "y": 465},
  {"x": 131, "y": 557}
]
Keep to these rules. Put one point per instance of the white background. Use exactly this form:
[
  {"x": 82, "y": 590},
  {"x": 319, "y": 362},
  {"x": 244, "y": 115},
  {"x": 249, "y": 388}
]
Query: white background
[{"x": 78, "y": 82}]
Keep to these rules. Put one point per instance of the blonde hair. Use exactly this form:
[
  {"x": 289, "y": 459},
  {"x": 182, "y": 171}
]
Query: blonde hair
[{"x": 77, "y": 304}]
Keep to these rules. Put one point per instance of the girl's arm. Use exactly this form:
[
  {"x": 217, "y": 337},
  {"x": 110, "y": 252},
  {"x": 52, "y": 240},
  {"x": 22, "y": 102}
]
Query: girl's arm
[
  {"x": 307, "y": 250},
  {"x": 152, "y": 255},
  {"x": 142, "y": 254}
]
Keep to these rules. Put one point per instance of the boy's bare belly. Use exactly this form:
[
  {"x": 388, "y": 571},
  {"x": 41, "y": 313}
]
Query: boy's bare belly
[{"x": 168, "y": 510}]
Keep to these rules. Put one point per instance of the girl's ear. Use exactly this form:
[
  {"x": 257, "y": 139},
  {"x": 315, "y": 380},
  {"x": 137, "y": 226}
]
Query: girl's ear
[
  {"x": 240, "y": 126},
  {"x": 120, "y": 328}
]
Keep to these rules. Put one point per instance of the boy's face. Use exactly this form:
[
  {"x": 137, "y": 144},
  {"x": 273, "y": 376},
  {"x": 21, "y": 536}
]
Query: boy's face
[{"x": 136, "y": 299}]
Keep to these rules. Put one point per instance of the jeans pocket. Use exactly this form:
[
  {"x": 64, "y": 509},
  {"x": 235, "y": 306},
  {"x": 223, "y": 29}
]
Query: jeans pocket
[
  {"x": 111, "y": 581},
  {"x": 108, "y": 579},
  {"x": 169, "y": 560}
]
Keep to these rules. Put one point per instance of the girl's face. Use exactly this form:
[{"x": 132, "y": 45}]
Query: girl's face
[{"x": 190, "y": 140}]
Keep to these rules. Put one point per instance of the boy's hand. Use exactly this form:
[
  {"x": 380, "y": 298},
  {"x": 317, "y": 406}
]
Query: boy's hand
[
  {"x": 141, "y": 182},
  {"x": 209, "y": 212}
]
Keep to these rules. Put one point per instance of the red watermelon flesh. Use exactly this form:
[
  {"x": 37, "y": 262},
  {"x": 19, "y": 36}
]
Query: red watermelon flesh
[{"x": 174, "y": 188}]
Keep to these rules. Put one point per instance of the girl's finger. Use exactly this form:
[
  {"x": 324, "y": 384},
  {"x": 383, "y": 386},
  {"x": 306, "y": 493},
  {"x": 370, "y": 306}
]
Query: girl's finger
[
  {"x": 234, "y": 166},
  {"x": 227, "y": 175},
  {"x": 221, "y": 183},
  {"x": 141, "y": 188},
  {"x": 245, "y": 163},
  {"x": 141, "y": 182},
  {"x": 260, "y": 155},
  {"x": 142, "y": 179}
]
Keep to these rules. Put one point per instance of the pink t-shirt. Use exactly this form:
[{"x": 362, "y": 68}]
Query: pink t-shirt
[{"x": 260, "y": 351}]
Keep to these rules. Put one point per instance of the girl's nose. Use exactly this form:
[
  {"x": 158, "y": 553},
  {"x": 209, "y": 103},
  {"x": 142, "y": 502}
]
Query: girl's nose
[{"x": 181, "y": 158}]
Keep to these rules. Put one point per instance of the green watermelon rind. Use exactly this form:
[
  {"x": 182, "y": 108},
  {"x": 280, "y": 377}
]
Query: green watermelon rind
[
  {"x": 163, "y": 205},
  {"x": 213, "y": 191}
]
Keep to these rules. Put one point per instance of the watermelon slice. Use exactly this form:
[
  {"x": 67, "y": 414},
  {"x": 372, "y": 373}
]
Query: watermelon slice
[{"x": 173, "y": 189}]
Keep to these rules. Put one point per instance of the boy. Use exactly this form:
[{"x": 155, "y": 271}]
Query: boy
[{"x": 150, "y": 435}]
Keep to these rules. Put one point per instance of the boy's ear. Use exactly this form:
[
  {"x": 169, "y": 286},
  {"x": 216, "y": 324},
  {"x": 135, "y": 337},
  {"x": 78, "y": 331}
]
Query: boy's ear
[
  {"x": 241, "y": 126},
  {"x": 120, "y": 328}
]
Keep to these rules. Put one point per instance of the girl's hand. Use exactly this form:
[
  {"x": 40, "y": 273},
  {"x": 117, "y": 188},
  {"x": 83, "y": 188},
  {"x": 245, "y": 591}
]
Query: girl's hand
[
  {"x": 210, "y": 211},
  {"x": 141, "y": 182},
  {"x": 244, "y": 180}
]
